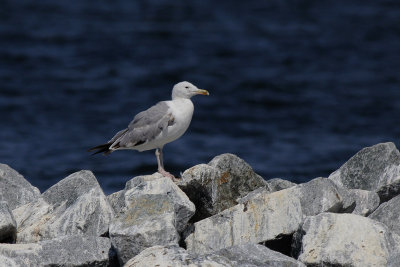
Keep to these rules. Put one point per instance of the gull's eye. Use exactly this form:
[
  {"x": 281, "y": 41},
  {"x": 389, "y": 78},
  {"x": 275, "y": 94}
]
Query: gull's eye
[{"x": 187, "y": 87}]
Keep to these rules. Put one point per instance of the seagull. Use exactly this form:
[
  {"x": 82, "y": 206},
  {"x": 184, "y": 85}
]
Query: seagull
[{"x": 153, "y": 128}]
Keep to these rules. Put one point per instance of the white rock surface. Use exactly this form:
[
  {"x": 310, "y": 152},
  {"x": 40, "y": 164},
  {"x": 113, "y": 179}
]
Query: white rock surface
[
  {"x": 156, "y": 184},
  {"x": 330, "y": 239},
  {"x": 247, "y": 255},
  {"x": 263, "y": 217},
  {"x": 175, "y": 256},
  {"x": 75, "y": 205},
  {"x": 64, "y": 251},
  {"x": 149, "y": 220}
]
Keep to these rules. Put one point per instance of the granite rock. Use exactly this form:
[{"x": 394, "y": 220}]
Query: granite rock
[
  {"x": 63, "y": 251},
  {"x": 366, "y": 201},
  {"x": 264, "y": 217},
  {"x": 375, "y": 168},
  {"x": 149, "y": 220},
  {"x": 15, "y": 189},
  {"x": 388, "y": 213},
  {"x": 175, "y": 256},
  {"x": 216, "y": 186},
  {"x": 330, "y": 239},
  {"x": 75, "y": 205},
  {"x": 245, "y": 255},
  {"x": 322, "y": 195},
  {"x": 391, "y": 185},
  {"x": 256, "y": 255},
  {"x": 117, "y": 201},
  {"x": 277, "y": 184},
  {"x": 157, "y": 184}
]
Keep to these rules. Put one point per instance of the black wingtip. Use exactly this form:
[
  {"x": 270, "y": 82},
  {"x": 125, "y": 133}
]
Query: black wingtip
[{"x": 105, "y": 148}]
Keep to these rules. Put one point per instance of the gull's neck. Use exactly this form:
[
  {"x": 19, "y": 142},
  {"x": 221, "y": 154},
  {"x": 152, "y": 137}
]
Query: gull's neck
[{"x": 180, "y": 98}]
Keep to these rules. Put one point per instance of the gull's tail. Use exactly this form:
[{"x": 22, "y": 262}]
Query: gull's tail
[{"x": 104, "y": 148}]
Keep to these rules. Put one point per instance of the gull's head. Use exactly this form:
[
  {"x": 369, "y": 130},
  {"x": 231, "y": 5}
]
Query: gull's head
[{"x": 186, "y": 90}]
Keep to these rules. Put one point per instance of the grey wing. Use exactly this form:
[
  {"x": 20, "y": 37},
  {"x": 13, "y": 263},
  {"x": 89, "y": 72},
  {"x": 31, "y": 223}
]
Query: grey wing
[
  {"x": 118, "y": 135},
  {"x": 146, "y": 126}
]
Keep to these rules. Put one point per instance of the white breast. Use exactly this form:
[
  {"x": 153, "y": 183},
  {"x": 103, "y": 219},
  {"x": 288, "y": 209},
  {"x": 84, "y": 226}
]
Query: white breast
[{"x": 182, "y": 110}]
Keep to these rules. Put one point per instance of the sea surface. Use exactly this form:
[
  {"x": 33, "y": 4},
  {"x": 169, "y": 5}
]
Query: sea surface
[{"x": 296, "y": 86}]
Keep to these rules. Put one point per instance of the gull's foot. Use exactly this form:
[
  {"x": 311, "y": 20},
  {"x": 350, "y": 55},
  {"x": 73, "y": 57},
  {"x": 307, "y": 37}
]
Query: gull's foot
[{"x": 167, "y": 174}]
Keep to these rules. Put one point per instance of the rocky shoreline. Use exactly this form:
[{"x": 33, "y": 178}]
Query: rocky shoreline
[{"x": 219, "y": 214}]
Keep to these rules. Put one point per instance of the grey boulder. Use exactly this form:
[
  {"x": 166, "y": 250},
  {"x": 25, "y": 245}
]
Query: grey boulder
[
  {"x": 316, "y": 196},
  {"x": 322, "y": 195},
  {"x": 63, "y": 251},
  {"x": 264, "y": 217},
  {"x": 277, "y": 184},
  {"x": 152, "y": 210},
  {"x": 216, "y": 186},
  {"x": 157, "y": 184},
  {"x": 330, "y": 239},
  {"x": 366, "y": 201},
  {"x": 375, "y": 168},
  {"x": 14, "y": 189},
  {"x": 8, "y": 226},
  {"x": 388, "y": 213},
  {"x": 75, "y": 205},
  {"x": 174, "y": 256},
  {"x": 117, "y": 201},
  {"x": 257, "y": 255},
  {"x": 391, "y": 187},
  {"x": 245, "y": 255},
  {"x": 149, "y": 220}
]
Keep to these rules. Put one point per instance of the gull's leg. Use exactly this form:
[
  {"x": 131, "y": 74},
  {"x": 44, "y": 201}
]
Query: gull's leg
[{"x": 160, "y": 162}]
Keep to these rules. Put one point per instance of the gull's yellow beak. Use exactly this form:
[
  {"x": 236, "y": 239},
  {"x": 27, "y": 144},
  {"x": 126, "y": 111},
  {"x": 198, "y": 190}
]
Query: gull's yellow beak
[{"x": 203, "y": 92}]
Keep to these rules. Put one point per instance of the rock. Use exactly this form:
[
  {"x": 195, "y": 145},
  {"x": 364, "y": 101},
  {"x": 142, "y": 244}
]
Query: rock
[
  {"x": 117, "y": 201},
  {"x": 62, "y": 251},
  {"x": 375, "y": 168},
  {"x": 389, "y": 214},
  {"x": 394, "y": 260},
  {"x": 391, "y": 187},
  {"x": 14, "y": 189},
  {"x": 176, "y": 257},
  {"x": 75, "y": 205},
  {"x": 277, "y": 184},
  {"x": 216, "y": 186},
  {"x": 266, "y": 216},
  {"x": 256, "y": 255},
  {"x": 8, "y": 226},
  {"x": 366, "y": 201},
  {"x": 322, "y": 195},
  {"x": 316, "y": 196},
  {"x": 156, "y": 184},
  {"x": 149, "y": 220},
  {"x": 252, "y": 194},
  {"x": 238, "y": 256},
  {"x": 8, "y": 262},
  {"x": 152, "y": 210},
  {"x": 330, "y": 239}
]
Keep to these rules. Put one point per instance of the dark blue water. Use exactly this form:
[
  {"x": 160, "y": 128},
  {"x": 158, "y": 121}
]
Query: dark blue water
[{"x": 297, "y": 87}]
